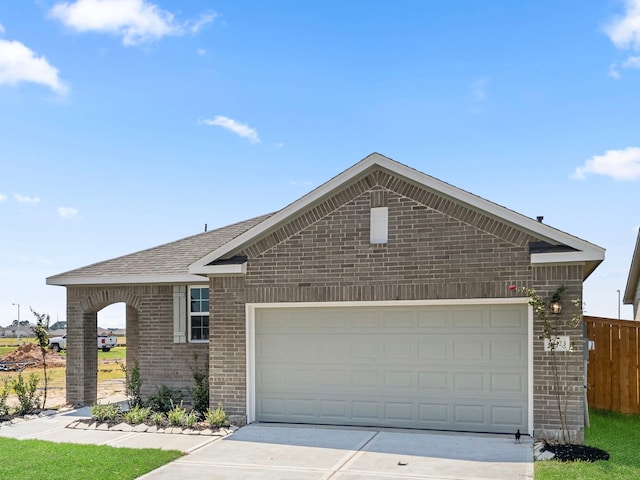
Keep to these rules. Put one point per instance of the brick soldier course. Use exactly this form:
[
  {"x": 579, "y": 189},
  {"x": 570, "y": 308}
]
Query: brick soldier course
[{"x": 443, "y": 243}]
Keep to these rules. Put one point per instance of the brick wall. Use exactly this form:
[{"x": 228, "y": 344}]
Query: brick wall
[
  {"x": 546, "y": 281},
  {"x": 436, "y": 249},
  {"x": 227, "y": 354},
  {"x": 149, "y": 339}
]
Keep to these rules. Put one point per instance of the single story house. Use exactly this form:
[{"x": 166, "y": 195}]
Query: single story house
[
  {"x": 380, "y": 298},
  {"x": 632, "y": 292}
]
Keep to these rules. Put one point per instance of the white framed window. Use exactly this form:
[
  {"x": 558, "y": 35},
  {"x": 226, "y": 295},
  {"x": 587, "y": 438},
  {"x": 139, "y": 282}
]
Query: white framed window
[
  {"x": 198, "y": 312},
  {"x": 379, "y": 234}
]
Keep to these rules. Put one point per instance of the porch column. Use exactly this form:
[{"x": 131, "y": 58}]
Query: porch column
[{"x": 82, "y": 357}]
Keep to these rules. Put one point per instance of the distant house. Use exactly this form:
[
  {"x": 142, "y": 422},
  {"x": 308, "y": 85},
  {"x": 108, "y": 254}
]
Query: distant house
[
  {"x": 380, "y": 298},
  {"x": 58, "y": 326},
  {"x": 632, "y": 292}
]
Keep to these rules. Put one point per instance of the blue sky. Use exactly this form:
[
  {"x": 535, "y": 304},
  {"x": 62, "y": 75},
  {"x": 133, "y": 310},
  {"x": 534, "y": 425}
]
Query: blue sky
[{"x": 126, "y": 124}]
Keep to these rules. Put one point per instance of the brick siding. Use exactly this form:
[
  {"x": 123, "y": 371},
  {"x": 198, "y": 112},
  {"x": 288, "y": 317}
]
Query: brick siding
[{"x": 437, "y": 249}]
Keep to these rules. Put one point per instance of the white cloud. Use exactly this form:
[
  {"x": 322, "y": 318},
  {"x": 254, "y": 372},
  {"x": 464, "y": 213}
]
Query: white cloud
[
  {"x": 202, "y": 52},
  {"x": 613, "y": 71},
  {"x": 239, "y": 129},
  {"x": 24, "y": 199},
  {"x": 621, "y": 164},
  {"x": 2, "y": 28},
  {"x": 66, "y": 212},
  {"x": 136, "y": 21},
  {"x": 624, "y": 32},
  {"x": 3, "y": 197},
  {"x": 194, "y": 26},
  {"x": 19, "y": 64}
]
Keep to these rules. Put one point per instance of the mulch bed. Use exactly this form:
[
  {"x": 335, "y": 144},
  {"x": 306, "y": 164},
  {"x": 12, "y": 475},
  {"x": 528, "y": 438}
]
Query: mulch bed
[{"x": 572, "y": 453}]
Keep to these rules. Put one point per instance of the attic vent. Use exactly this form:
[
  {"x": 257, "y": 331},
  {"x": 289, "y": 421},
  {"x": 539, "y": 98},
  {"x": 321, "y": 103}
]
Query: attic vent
[{"x": 379, "y": 226}]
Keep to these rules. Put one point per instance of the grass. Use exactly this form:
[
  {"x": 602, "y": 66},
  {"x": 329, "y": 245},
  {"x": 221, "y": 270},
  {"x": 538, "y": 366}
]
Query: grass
[
  {"x": 615, "y": 433},
  {"x": 37, "y": 459}
]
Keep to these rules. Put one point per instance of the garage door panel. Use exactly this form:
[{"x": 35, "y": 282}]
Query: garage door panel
[
  {"x": 468, "y": 350},
  {"x": 441, "y": 368},
  {"x": 436, "y": 414},
  {"x": 399, "y": 319},
  {"x": 507, "y": 416},
  {"x": 512, "y": 318},
  {"x": 434, "y": 318},
  {"x": 508, "y": 383},
  {"x": 469, "y": 318},
  {"x": 511, "y": 348},
  {"x": 436, "y": 347}
]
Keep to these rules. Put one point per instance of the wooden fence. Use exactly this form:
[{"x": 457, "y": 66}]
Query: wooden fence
[{"x": 613, "y": 373}]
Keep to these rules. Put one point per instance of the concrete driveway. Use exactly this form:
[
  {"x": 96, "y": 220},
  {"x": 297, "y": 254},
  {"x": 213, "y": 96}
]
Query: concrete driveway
[{"x": 304, "y": 453}]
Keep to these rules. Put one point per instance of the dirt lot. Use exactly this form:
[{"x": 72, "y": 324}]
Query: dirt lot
[{"x": 110, "y": 378}]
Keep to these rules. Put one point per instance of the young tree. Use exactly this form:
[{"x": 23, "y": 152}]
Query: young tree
[{"x": 41, "y": 331}]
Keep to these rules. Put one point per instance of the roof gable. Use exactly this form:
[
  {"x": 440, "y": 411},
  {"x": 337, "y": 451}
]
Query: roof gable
[{"x": 576, "y": 251}]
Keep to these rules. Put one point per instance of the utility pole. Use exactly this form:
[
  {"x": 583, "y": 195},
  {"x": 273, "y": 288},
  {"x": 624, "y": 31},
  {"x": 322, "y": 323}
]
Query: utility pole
[
  {"x": 618, "y": 304},
  {"x": 18, "y": 305}
]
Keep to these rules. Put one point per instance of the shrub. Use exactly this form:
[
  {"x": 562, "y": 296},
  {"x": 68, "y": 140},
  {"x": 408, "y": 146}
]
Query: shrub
[
  {"x": 4, "y": 394},
  {"x": 217, "y": 417},
  {"x": 200, "y": 391},
  {"x": 190, "y": 419},
  {"x": 136, "y": 415},
  {"x": 157, "y": 418},
  {"x": 164, "y": 399},
  {"x": 26, "y": 391},
  {"x": 133, "y": 385},
  {"x": 105, "y": 413},
  {"x": 176, "y": 416}
]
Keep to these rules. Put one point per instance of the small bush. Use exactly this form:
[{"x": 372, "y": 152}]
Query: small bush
[
  {"x": 200, "y": 391},
  {"x": 217, "y": 417},
  {"x": 190, "y": 419},
  {"x": 176, "y": 416},
  {"x": 105, "y": 413},
  {"x": 28, "y": 400},
  {"x": 4, "y": 394},
  {"x": 136, "y": 415},
  {"x": 157, "y": 418},
  {"x": 164, "y": 399},
  {"x": 133, "y": 385}
]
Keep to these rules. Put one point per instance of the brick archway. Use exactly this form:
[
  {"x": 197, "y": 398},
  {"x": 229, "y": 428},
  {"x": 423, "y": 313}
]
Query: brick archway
[{"x": 83, "y": 305}]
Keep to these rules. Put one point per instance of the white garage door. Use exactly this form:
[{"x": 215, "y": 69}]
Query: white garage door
[{"x": 434, "y": 367}]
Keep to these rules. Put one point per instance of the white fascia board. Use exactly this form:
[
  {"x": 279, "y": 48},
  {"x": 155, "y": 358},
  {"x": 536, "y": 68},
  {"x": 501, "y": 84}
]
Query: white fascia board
[
  {"x": 223, "y": 270},
  {"x": 509, "y": 216},
  {"x": 64, "y": 280},
  {"x": 566, "y": 257}
]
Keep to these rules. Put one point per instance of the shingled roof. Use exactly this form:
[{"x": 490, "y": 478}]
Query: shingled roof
[{"x": 168, "y": 263}]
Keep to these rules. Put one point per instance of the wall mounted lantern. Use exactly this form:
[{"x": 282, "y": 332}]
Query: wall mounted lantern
[{"x": 555, "y": 305}]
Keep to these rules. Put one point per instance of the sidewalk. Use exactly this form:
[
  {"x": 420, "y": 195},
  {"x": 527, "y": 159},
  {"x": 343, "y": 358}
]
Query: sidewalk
[{"x": 53, "y": 428}]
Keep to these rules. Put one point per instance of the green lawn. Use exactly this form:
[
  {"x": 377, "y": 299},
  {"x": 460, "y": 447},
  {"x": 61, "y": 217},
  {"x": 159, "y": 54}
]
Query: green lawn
[
  {"x": 615, "y": 433},
  {"x": 37, "y": 459}
]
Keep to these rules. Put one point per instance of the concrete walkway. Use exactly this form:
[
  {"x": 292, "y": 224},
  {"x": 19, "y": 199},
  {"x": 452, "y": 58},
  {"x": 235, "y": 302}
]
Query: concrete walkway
[{"x": 286, "y": 452}]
